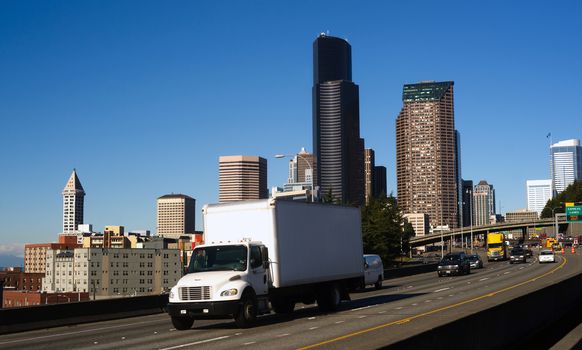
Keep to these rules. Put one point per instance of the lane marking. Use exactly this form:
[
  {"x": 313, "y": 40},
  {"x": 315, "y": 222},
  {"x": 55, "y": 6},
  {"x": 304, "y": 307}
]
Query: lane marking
[
  {"x": 78, "y": 332},
  {"x": 363, "y": 316},
  {"x": 338, "y": 322},
  {"x": 311, "y": 318},
  {"x": 424, "y": 314},
  {"x": 382, "y": 312},
  {"x": 399, "y": 308},
  {"x": 484, "y": 279},
  {"x": 362, "y": 308},
  {"x": 250, "y": 343},
  {"x": 313, "y": 328},
  {"x": 506, "y": 273},
  {"x": 283, "y": 335},
  {"x": 441, "y": 290},
  {"x": 197, "y": 342}
]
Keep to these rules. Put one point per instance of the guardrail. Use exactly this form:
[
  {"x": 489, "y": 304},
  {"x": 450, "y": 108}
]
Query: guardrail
[{"x": 45, "y": 316}]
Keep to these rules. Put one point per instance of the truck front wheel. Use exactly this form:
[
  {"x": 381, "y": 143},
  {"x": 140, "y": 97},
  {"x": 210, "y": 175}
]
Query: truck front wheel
[
  {"x": 182, "y": 323},
  {"x": 246, "y": 315}
]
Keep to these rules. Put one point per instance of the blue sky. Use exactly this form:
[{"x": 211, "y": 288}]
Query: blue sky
[{"x": 142, "y": 97}]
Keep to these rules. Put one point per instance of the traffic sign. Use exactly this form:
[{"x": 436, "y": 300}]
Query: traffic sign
[{"x": 574, "y": 214}]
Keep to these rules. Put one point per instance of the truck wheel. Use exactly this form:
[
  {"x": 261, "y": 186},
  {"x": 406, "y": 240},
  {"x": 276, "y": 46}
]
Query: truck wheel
[
  {"x": 329, "y": 298},
  {"x": 182, "y": 323},
  {"x": 247, "y": 313},
  {"x": 282, "y": 306},
  {"x": 378, "y": 283}
]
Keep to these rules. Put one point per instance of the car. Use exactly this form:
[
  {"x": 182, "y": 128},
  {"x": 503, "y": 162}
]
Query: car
[
  {"x": 475, "y": 261},
  {"x": 517, "y": 255},
  {"x": 373, "y": 270},
  {"x": 547, "y": 255},
  {"x": 454, "y": 264}
]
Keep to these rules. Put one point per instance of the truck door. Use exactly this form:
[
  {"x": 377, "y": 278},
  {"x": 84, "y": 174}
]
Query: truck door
[{"x": 257, "y": 273}]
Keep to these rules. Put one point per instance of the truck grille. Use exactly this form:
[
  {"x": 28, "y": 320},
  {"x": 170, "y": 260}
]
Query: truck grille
[{"x": 195, "y": 293}]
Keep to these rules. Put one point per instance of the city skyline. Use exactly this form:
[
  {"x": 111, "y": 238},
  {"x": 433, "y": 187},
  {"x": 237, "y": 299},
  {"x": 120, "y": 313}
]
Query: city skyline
[{"x": 141, "y": 100}]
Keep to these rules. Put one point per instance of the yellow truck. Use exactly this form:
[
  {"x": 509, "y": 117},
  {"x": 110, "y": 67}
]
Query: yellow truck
[{"x": 496, "y": 247}]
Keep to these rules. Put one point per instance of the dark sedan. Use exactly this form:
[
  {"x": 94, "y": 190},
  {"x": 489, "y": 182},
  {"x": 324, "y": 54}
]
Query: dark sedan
[{"x": 454, "y": 264}]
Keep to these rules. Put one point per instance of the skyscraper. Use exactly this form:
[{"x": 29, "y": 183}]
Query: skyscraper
[
  {"x": 539, "y": 192},
  {"x": 483, "y": 203},
  {"x": 467, "y": 218},
  {"x": 176, "y": 215},
  {"x": 380, "y": 181},
  {"x": 426, "y": 158},
  {"x": 336, "y": 121},
  {"x": 369, "y": 165},
  {"x": 73, "y": 203},
  {"x": 242, "y": 178},
  {"x": 566, "y": 163}
]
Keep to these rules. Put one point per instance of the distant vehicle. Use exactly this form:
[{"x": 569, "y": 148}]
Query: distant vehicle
[
  {"x": 517, "y": 255},
  {"x": 454, "y": 263},
  {"x": 549, "y": 242},
  {"x": 496, "y": 247},
  {"x": 547, "y": 255},
  {"x": 556, "y": 247},
  {"x": 373, "y": 270},
  {"x": 475, "y": 261}
]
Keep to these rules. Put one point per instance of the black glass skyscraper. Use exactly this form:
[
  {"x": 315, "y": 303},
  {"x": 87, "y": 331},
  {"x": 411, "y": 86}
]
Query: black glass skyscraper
[{"x": 336, "y": 121}]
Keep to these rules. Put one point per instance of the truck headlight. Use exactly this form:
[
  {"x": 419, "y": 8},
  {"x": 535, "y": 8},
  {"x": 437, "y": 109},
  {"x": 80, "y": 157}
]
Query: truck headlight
[
  {"x": 171, "y": 294},
  {"x": 229, "y": 292}
]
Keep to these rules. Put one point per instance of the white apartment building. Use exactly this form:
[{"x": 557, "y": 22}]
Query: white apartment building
[
  {"x": 566, "y": 163},
  {"x": 539, "y": 192},
  {"x": 107, "y": 272}
]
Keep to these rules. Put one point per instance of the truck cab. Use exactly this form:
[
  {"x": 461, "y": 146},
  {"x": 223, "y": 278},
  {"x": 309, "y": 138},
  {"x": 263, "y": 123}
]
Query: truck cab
[{"x": 222, "y": 280}]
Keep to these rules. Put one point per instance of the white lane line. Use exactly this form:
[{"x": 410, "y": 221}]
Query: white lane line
[
  {"x": 441, "y": 290},
  {"x": 382, "y": 312},
  {"x": 338, "y": 322},
  {"x": 415, "y": 304},
  {"x": 240, "y": 333},
  {"x": 506, "y": 273},
  {"x": 484, "y": 279},
  {"x": 283, "y": 335},
  {"x": 196, "y": 343},
  {"x": 468, "y": 282},
  {"x": 451, "y": 295},
  {"x": 427, "y": 301},
  {"x": 409, "y": 287},
  {"x": 362, "y": 308},
  {"x": 313, "y": 328},
  {"x": 78, "y": 332},
  {"x": 311, "y": 318},
  {"x": 440, "y": 298},
  {"x": 521, "y": 268},
  {"x": 250, "y": 343},
  {"x": 363, "y": 316},
  {"x": 399, "y": 308}
]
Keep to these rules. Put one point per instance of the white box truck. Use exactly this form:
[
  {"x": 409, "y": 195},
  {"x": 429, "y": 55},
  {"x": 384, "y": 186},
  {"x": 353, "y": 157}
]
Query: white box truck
[{"x": 265, "y": 255}]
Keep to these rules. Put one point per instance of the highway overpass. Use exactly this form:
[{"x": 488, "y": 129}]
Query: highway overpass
[{"x": 465, "y": 232}]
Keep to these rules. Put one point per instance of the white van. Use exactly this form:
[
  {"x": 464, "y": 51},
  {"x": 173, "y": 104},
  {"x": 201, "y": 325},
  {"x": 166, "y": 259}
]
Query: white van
[{"x": 373, "y": 270}]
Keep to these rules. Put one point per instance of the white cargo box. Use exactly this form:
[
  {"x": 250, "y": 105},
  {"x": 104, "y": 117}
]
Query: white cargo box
[{"x": 307, "y": 242}]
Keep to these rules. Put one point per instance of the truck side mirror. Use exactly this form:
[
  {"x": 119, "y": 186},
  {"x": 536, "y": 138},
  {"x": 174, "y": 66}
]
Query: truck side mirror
[{"x": 265, "y": 256}]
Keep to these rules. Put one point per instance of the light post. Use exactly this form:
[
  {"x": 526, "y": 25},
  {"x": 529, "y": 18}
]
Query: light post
[
  {"x": 555, "y": 215},
  {"x": 470, "y": 192},
  {"x": 310, "y": 168}
]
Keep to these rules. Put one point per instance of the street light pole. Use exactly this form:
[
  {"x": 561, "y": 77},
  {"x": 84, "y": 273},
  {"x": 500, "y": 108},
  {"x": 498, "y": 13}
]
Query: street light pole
[{"x": 310, "y": 168}]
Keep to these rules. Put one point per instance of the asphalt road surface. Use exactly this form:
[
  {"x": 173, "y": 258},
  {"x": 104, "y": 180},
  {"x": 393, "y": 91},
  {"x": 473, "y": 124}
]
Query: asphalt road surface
[{"x": 403, "y": 307}]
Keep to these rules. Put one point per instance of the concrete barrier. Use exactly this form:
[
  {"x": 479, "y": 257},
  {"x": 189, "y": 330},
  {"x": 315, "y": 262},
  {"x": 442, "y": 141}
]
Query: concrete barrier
[
  {"x": 45, "y": 316},
  {"x": 410, "y": 270},
  {"x": 533, "y": 321}
]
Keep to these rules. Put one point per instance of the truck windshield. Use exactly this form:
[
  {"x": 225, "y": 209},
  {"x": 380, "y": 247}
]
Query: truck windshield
[
  {"x": 495, "y": 245},
  {"x": 219, "y": 258}
]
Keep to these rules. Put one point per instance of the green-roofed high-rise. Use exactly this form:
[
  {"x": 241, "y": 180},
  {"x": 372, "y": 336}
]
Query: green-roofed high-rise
[{"x": 426, "y": 153}]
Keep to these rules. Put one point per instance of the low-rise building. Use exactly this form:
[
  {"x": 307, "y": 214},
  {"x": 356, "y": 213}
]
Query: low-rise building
[
  {"x": 15, "y": 298},
  {"x": 107, "y": 272}
]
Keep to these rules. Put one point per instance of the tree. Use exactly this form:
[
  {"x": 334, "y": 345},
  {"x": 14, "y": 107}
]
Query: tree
[
  {"x": 382, "y": 228},
  {"x": 572, "y": 193}
]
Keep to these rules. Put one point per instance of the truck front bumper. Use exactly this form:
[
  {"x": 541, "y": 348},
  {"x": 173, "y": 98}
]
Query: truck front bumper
[{"x": 204, "y": 309}]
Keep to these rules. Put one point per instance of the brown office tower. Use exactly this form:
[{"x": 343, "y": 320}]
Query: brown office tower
[
  {"x": 426, "y": 154},
  {"x": 242, "y": 178}
]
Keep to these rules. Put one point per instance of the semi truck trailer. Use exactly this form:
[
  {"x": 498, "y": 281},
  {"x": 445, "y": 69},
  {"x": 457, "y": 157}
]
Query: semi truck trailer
[{"x": 267, "y": 255}]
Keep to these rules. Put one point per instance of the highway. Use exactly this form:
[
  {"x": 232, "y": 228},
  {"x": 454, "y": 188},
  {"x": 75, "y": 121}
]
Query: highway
[{"x": 403, "y": 307}]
